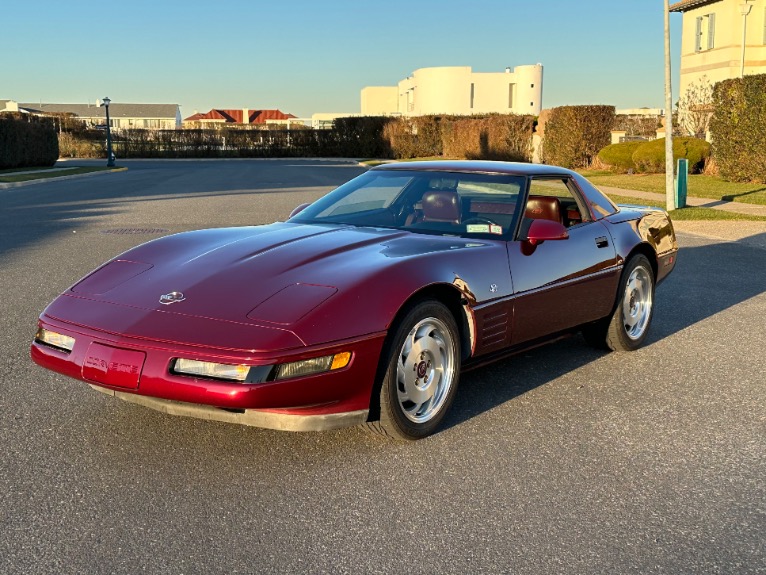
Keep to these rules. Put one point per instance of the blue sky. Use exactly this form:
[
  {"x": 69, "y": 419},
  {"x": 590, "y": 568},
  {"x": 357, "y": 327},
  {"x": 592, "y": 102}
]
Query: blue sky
[{"x": 305, "y": 56}]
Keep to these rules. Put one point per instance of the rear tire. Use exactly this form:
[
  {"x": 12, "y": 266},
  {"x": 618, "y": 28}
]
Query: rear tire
[
  {"x": 628, "y": 326},
  {"x": 422, "y": 371}
]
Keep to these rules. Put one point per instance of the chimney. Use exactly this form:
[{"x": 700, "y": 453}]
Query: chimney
[{"x": 245, "y": 116}]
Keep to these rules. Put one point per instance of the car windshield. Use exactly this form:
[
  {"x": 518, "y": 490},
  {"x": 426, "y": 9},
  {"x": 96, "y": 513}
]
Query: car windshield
[{"x": 435, "y": 202}]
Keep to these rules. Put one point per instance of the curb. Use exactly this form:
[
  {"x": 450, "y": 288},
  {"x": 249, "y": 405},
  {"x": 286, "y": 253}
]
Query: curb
[{"x": 10, "y": 185}]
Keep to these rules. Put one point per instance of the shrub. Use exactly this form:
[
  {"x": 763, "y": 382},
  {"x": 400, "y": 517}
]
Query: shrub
[
  {"x": 413, "y": 137},
  {"x": 362, "y": 137},
  {"x": 495, "y": 137},
  {"x": 619, "y": 157},
  {"x": 650, "y": 156},
  {"x": 27, "y": 141},
  {"x": 70, "y": 146},
  {"x": 575, "y": 134},
  {"x": 738, "y": 128}
]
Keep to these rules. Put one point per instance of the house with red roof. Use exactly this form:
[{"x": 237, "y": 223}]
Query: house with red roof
[{"x": 239, "y": 117}]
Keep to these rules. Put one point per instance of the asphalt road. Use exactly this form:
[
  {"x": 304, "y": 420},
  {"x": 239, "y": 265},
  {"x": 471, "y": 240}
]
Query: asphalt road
[{"x": 561, "y": 460}]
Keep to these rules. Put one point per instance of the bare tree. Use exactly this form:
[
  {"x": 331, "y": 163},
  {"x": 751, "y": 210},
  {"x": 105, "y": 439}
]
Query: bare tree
[{"x": 695, "y": 108}]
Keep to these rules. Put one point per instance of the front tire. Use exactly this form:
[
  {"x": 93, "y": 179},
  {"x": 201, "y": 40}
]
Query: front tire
[
  {"x": 422, "y": 373},
  {"x": 628, "y": 326}
]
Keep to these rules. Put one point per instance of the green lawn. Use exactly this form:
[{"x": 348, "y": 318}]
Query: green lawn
[
  {"x": 7, "y": 176},
  {"x": 699, "y": 186},
  {"x": 690, "y": 212}
]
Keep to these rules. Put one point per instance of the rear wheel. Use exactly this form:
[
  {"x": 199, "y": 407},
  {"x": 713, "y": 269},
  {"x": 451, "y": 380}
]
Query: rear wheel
[
  {"x": 422, "y": 373},
  {"x": 628, "y": 326}
]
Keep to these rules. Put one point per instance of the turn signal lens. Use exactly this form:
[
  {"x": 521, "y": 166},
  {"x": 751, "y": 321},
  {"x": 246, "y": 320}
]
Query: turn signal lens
[
  {"x": 53, "y": 339},
  {"x": 340, "y": 360},
  {"x": 313, "y": 365},
  {"x": 212, "y": 370}
]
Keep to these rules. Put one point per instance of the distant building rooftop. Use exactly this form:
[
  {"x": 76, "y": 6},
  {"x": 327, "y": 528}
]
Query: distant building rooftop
[
  {"x": 237, "y": 116},
  {"x": 685, "y": 5},
  {"x": 116, "y": 110}
]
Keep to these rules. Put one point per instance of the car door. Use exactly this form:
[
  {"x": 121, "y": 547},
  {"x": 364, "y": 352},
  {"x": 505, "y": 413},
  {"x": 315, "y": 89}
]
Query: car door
[{"x": 560, "y": 284}]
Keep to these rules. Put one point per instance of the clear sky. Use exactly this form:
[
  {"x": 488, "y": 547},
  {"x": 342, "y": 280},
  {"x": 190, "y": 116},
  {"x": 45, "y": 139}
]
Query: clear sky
[{"x": 304, "y": 56}]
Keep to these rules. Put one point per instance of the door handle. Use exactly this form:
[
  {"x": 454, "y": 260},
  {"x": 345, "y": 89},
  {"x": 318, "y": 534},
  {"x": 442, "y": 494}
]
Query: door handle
[{"x": 602, "y": 242}]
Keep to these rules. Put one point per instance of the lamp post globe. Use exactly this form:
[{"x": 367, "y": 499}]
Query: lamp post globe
[{"x": 109, "y": 153}]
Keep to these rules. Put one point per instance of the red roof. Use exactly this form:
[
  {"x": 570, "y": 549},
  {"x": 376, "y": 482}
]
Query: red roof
[{"x": 235, "y": 116}]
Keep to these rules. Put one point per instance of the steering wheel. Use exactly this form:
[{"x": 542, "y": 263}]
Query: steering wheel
[{"x": 480, "y": 220}]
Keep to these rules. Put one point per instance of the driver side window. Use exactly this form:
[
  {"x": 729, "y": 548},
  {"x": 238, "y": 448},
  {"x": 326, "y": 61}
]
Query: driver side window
[{"x": 552, "y": 199}]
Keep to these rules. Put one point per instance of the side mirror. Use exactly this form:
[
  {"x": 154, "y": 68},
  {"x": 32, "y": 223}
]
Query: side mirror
[
  {"x": 541, "y": 230},
  {"x": 298, "y": 210}
]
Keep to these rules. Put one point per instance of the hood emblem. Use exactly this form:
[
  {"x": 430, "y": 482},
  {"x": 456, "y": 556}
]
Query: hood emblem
[{"x": 172, "y": 297}]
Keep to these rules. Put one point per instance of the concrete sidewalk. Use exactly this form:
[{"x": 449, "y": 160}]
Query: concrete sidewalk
[{"x": 659, "y": 200}]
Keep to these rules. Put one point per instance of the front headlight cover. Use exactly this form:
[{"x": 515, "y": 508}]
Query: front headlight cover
[
  {"x": 58, "y": 340},
  {"x": 225, "y": 371}
]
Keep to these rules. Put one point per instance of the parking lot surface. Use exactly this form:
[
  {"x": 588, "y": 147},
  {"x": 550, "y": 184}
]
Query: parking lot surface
[{"x": 560, "y": 460}]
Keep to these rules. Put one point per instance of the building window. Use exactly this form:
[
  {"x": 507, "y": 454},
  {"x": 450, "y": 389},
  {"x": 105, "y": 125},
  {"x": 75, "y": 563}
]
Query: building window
[
  {"x": 510, "y": 95},
  {"x": 473, "y": 89},
  {"x": 705, "y": 33}
]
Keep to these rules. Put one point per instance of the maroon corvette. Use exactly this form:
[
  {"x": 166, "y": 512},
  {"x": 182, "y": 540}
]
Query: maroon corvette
[{"x": 365, "y": 306}]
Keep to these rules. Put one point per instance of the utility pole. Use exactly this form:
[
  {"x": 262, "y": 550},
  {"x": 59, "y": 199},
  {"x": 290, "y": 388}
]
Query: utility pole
[
  {"x": 744, "y": 9},
  {"x": 670, "y": 198}
]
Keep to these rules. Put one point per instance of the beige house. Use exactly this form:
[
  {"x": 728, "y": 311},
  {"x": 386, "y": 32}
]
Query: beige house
[
  {"x": 148, "y": 116},
  {"x": 458, "y": 90},
  {"x": 721, "y": 39}
]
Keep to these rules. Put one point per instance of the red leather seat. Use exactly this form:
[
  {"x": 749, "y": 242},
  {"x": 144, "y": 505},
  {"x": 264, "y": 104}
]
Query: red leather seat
[
  {"x": 543, "y": 208},
  {"x": 441, "y": 206}
]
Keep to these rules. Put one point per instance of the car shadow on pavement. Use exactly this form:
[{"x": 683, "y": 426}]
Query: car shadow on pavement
[{"x": 709, "y": 278}]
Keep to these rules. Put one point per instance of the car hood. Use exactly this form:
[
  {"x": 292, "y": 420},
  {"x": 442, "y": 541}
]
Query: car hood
[
  {"x": 274, "y": 273},
  {"x": 273, "y": 287}
]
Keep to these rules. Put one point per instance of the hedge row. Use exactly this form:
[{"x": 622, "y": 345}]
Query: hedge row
[
  {"x": 575, "y": 134},
  {"x": 650, "y": 156},
  {"x": 502, "y": 137},
  {"x": 738, "y": 128},
  {"x": 497, "y": 137},
  {"x": 27, "y": 141}
]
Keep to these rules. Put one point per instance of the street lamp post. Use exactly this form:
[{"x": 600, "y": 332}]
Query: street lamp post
[{"x": 109, "y": 153}]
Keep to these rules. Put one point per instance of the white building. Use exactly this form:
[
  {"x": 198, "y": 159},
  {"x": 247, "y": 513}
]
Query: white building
[
  {"x": 148, "y": 116},
  {"x": 721, "y": 39},
  {"x": 457, "y": 90},
  {"x": 325, "y": 120}
]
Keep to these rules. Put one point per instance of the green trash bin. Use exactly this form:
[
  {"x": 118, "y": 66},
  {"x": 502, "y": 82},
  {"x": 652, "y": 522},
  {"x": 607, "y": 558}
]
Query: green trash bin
[{"x": 682, "y": 178}]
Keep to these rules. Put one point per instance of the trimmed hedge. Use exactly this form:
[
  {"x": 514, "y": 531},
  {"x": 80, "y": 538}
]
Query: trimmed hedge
[
  {"x": 575, "y": 134},
  {"x": 362, "y": 137},
  {"x": 738, "y": 128},
  {"x": 417, "y": 137},
  {"x": 619, "y": 157},
  {"x": 27, "y": 141},
  {"x": 498, "y": 137},
  {"x": 494, "y": 137},
  {"x": 650, "y": 156}
]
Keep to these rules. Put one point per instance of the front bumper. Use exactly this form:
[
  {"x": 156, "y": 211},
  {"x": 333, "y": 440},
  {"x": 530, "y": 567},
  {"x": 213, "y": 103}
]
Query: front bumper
[
  {"x": 322, "y": 401},
  {"x": 282, "y": 421}
]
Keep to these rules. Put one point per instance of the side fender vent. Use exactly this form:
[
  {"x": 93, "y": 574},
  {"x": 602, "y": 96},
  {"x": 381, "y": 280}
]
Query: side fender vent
[{"x": 494, "y": 329}]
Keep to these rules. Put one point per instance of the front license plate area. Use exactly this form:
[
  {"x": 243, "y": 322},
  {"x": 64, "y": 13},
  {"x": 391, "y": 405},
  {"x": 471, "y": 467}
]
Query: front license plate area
[{"x": 113, "y": 366}]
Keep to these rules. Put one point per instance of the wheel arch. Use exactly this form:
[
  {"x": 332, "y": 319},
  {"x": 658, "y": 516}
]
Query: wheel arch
[
  {"x": 646, "y": 250},
  {"x": 455, "y": 302}
]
